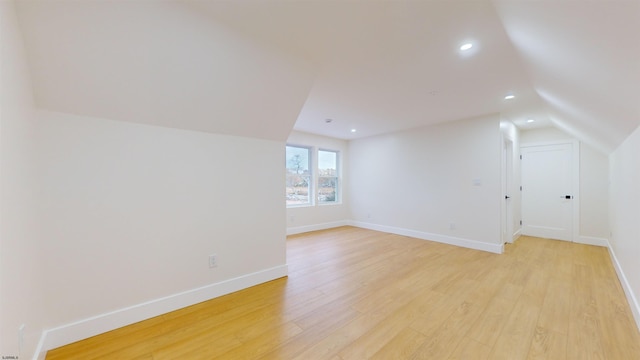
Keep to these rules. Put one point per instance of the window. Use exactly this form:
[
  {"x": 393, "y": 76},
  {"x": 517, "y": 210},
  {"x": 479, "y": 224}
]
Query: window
[
  {"x": 327, "y": 176},
  {"x": 304, "y": 185},
  {"x": 298, "y": 163}
]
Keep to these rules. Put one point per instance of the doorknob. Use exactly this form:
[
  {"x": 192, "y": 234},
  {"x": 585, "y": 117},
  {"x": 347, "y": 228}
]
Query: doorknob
[
  {"x": 507, "y": 197},
  {"x": 568, "y": 197}
]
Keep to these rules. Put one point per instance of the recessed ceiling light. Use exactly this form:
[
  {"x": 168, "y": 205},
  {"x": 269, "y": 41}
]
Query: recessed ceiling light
[
  {"x": 509, "y": 97},
  {"x": 466, "y": 46},
  {"x": 353, "y": 130},
  {"x": 530, "y": 120},
  {"x": 328, "y": 120}
]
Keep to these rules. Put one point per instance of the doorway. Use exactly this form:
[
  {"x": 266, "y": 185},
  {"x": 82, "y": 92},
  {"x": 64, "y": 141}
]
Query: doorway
[{"x": 507, "y": 191}]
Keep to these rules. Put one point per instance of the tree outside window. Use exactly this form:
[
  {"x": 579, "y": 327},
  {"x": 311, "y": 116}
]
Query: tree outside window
[{"x": 298, "y": 163}]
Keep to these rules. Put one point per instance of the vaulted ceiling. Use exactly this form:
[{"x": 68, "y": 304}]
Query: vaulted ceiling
[{"x": 260, "y": 68}]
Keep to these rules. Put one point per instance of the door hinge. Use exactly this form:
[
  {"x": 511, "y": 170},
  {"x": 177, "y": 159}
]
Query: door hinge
[
  {"x": 520, "y": 157},
  {"x": 520, "y": 222},
  {"x": 520, "y": 188}
]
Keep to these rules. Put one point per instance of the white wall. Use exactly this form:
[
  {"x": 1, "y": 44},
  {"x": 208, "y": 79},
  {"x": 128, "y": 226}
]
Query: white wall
[
  {"x": 308, "y": 218},
  {"x": 21, "y": 279},
  {"x": 423, "y": 179},
  {"x": 543, "y": 135},
  {"x": 625, "y": 214},
  {"x": 104, "y": 223},
  {"x": 594, "y": 183},
  {"x": 594, "y": 194},
  {"x": 134, "y": 211}
]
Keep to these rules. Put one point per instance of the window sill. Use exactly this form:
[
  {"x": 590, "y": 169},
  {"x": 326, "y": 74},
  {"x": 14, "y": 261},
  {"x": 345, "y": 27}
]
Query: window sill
[
  {"x": 299, "y": 206},
  {"x": 330, "y": 204},
  {"x": 313, "y": 205}
]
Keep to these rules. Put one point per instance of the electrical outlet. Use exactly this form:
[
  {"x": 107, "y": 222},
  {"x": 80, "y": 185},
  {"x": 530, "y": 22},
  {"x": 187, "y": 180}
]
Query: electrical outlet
[
  {"x": 452, "y": 226},
  {"x": 213, "y": 261}
]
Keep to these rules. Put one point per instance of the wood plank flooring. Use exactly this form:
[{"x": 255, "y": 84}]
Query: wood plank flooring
[{"x": 359, "y": 294}]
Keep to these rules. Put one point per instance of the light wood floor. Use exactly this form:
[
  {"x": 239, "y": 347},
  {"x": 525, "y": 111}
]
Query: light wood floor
[{"x": 359, "y": 294}]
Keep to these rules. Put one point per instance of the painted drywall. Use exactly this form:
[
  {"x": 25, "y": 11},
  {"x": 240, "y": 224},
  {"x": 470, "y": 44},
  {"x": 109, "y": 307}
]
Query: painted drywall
[
  {"x": 594, "y": 194},
  {"x": 425, "y": 179},
  {"x": 594, "y": 183},
  {"x": 163, "y": 63},
  {"x": 21, "y": 280},
  {"x": 625, "y": 213},
  {"x": 134, "y": 211},
  {"x": 546, "y": 134},
  {"x": 307, "y": 218}
]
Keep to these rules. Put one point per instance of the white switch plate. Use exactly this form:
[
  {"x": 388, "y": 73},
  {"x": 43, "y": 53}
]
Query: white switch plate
[{"x": 213, "y": 260}]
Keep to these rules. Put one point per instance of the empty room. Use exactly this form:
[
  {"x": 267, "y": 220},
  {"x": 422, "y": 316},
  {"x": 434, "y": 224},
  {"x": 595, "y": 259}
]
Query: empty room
[{"x": 271, "y": 179}]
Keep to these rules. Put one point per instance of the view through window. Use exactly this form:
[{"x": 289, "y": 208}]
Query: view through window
[
  {"x": 327, "y": 176},
  {"x": 298, "y": 162}
]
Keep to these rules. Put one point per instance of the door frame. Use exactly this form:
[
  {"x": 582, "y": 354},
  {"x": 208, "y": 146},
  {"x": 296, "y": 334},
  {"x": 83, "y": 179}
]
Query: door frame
[
  {"x": 507, "y": 206},
  {"x": 575, "y": 180}
]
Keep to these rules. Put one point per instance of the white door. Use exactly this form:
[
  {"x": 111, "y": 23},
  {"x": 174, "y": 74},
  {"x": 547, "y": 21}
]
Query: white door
[
  {"x": 507, "y": 188},
  {"x": 547, "y": 194}
]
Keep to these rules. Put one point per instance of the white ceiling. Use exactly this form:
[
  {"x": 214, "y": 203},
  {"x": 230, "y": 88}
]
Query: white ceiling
[{"x": 254, "y": 68}]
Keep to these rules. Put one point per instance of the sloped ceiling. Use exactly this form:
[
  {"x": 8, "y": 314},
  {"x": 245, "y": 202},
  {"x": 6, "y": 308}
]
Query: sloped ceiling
[
  {"x": 256, "y": 68},
  {"x": 160, "y": 63},
  {"x": 583, "y": 58}
]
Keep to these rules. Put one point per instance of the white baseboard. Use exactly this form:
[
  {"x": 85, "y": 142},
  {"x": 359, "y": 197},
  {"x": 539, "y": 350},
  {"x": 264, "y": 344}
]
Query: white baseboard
[
  {"x": 66, "y": 334},
  {"x": 467, "y": 243},
  {"x": 516, "y": 235},
  {"x": 631, "y": 298},
  {"x": 590, "y": 240},
  {"x": 316, "y": 227}
]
